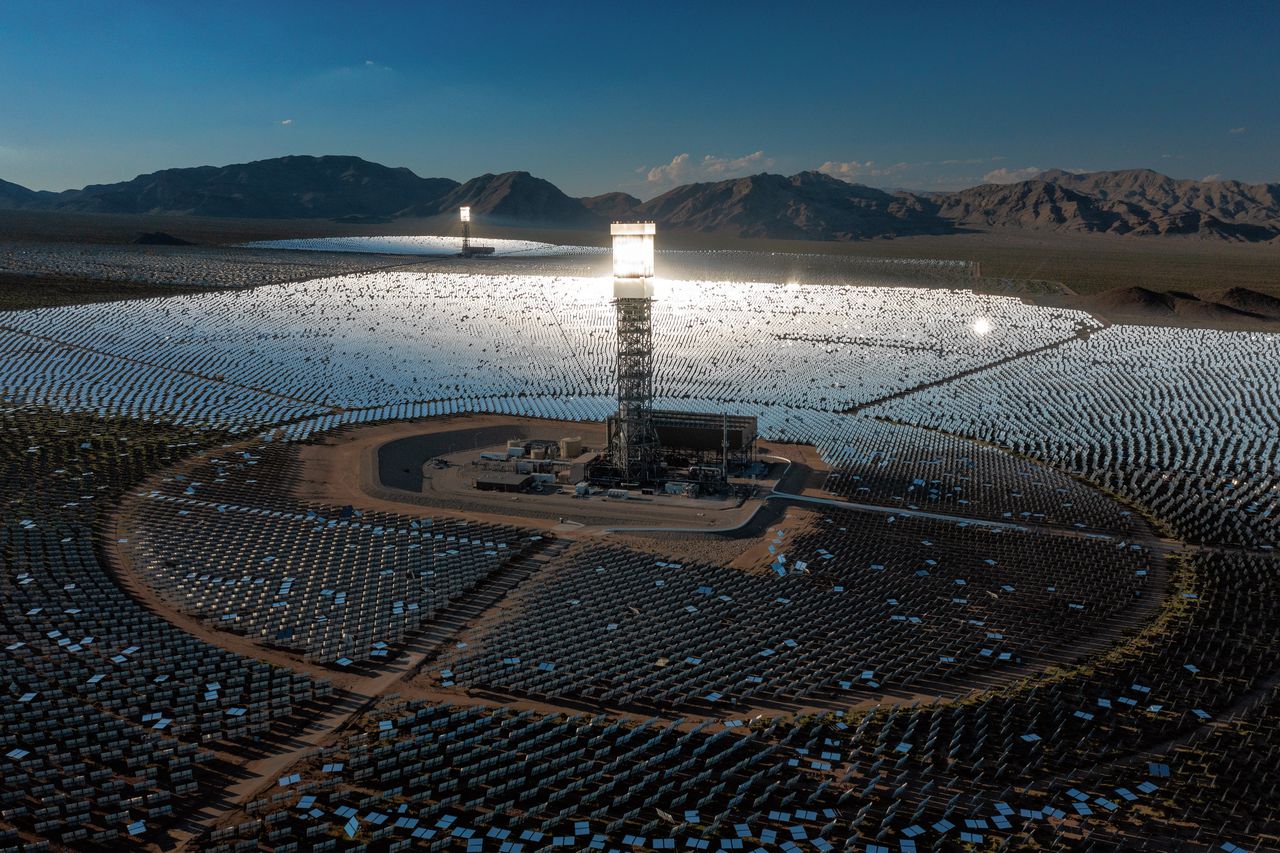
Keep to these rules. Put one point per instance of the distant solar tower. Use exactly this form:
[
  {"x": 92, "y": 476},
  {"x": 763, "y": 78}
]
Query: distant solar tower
[
  {"x": 465, "y": 213},
  {"x": 633, "y": 441}
]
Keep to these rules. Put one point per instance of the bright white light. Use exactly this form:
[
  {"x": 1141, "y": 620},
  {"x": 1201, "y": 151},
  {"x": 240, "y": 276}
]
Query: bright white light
[
  {"x": 632, "y": 288},
  {"x": 982, "y": 327},
  {"x": 633, "y": 249},
  {"x": 465, "y": 212}
]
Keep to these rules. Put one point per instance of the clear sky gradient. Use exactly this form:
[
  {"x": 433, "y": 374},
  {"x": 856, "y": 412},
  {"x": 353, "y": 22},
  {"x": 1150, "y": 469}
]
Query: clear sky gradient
[{"x": 600, "y": 96}]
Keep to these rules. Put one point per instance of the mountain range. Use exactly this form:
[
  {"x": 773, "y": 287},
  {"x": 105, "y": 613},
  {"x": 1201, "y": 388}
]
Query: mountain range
[{"x": 810, "y": 205}]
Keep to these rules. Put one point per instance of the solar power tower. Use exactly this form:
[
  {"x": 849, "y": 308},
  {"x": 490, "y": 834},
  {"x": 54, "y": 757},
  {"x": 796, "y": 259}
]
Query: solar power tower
[{"x": 633, "y": 441}]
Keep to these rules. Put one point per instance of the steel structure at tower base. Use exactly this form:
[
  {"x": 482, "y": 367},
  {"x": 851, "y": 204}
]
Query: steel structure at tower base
[{"x": 633, "y": 441}]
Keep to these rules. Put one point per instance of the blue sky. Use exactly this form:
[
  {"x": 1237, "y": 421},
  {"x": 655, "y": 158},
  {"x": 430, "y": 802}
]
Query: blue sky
[{"x": 923, "y": 96}]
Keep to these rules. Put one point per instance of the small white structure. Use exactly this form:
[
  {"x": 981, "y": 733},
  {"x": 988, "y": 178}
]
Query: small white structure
[{"x": 465, "y": 213}]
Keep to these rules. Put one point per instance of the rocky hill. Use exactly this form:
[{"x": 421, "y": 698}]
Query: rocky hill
[
  {"x": 1234, "y": 308},
  {"x": 518, "y": 198},
  {"x": 808, "y": 206},
  {"x": 1136, "y": 202},
  {"x": 15, "y": 196},
  {"x": 1027, "y": 204},
  {"x": 282, "y": 188},
  {"x": 1226, "y": 201},
  {"x": 612, "y": 206}
]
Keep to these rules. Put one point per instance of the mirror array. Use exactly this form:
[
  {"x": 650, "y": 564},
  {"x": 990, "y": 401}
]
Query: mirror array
[
  {"x": 885, "y": 463},
  {"x": 362, "y": 341},
  {"x": 1129, "y": 752},
  {"x": 116, "y": 722},
  {"x": 331, "y": 584},
  {"x": 1182, "y": 421},
  {"x": 863, "y": 607}
]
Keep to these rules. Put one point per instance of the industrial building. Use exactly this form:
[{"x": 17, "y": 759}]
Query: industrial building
[{"x": 503, "y": 481}]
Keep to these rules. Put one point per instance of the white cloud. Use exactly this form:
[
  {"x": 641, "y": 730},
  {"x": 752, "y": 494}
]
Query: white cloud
[
  {"x": 850, "y": 169},
  {"x": 1011, "y": 176},
  {"x": 672, "y": 173},
  {"x": 846, "y": 169},
  {"x": 286, "y": 121},
  {"x": 683, "y": 169},
  {"x": 727, "y": 166},
  {"x": 1237, "y": 130},
  {"x": 1216, "y": 176}
]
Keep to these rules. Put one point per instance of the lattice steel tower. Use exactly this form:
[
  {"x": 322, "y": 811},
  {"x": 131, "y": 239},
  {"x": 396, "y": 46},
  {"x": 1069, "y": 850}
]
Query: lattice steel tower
[{"x": 633, "y": 441}]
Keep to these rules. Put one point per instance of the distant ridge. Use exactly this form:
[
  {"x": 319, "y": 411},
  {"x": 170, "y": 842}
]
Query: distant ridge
[
  {"x": 296, "y": 187},
  {"x": 15, "y": 196},
  {"x": 1136, "y": 202},
  {"x": 807, "y": 206},
  {"x": 612, "y": 206},
  {"x": 518, "y": 197}
]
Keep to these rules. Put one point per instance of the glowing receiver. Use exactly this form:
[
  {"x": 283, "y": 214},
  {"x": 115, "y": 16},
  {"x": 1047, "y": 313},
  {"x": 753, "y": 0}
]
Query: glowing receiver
[
  {"x": 465, "y": 212},
  {"x": 632, "y": 259}
]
